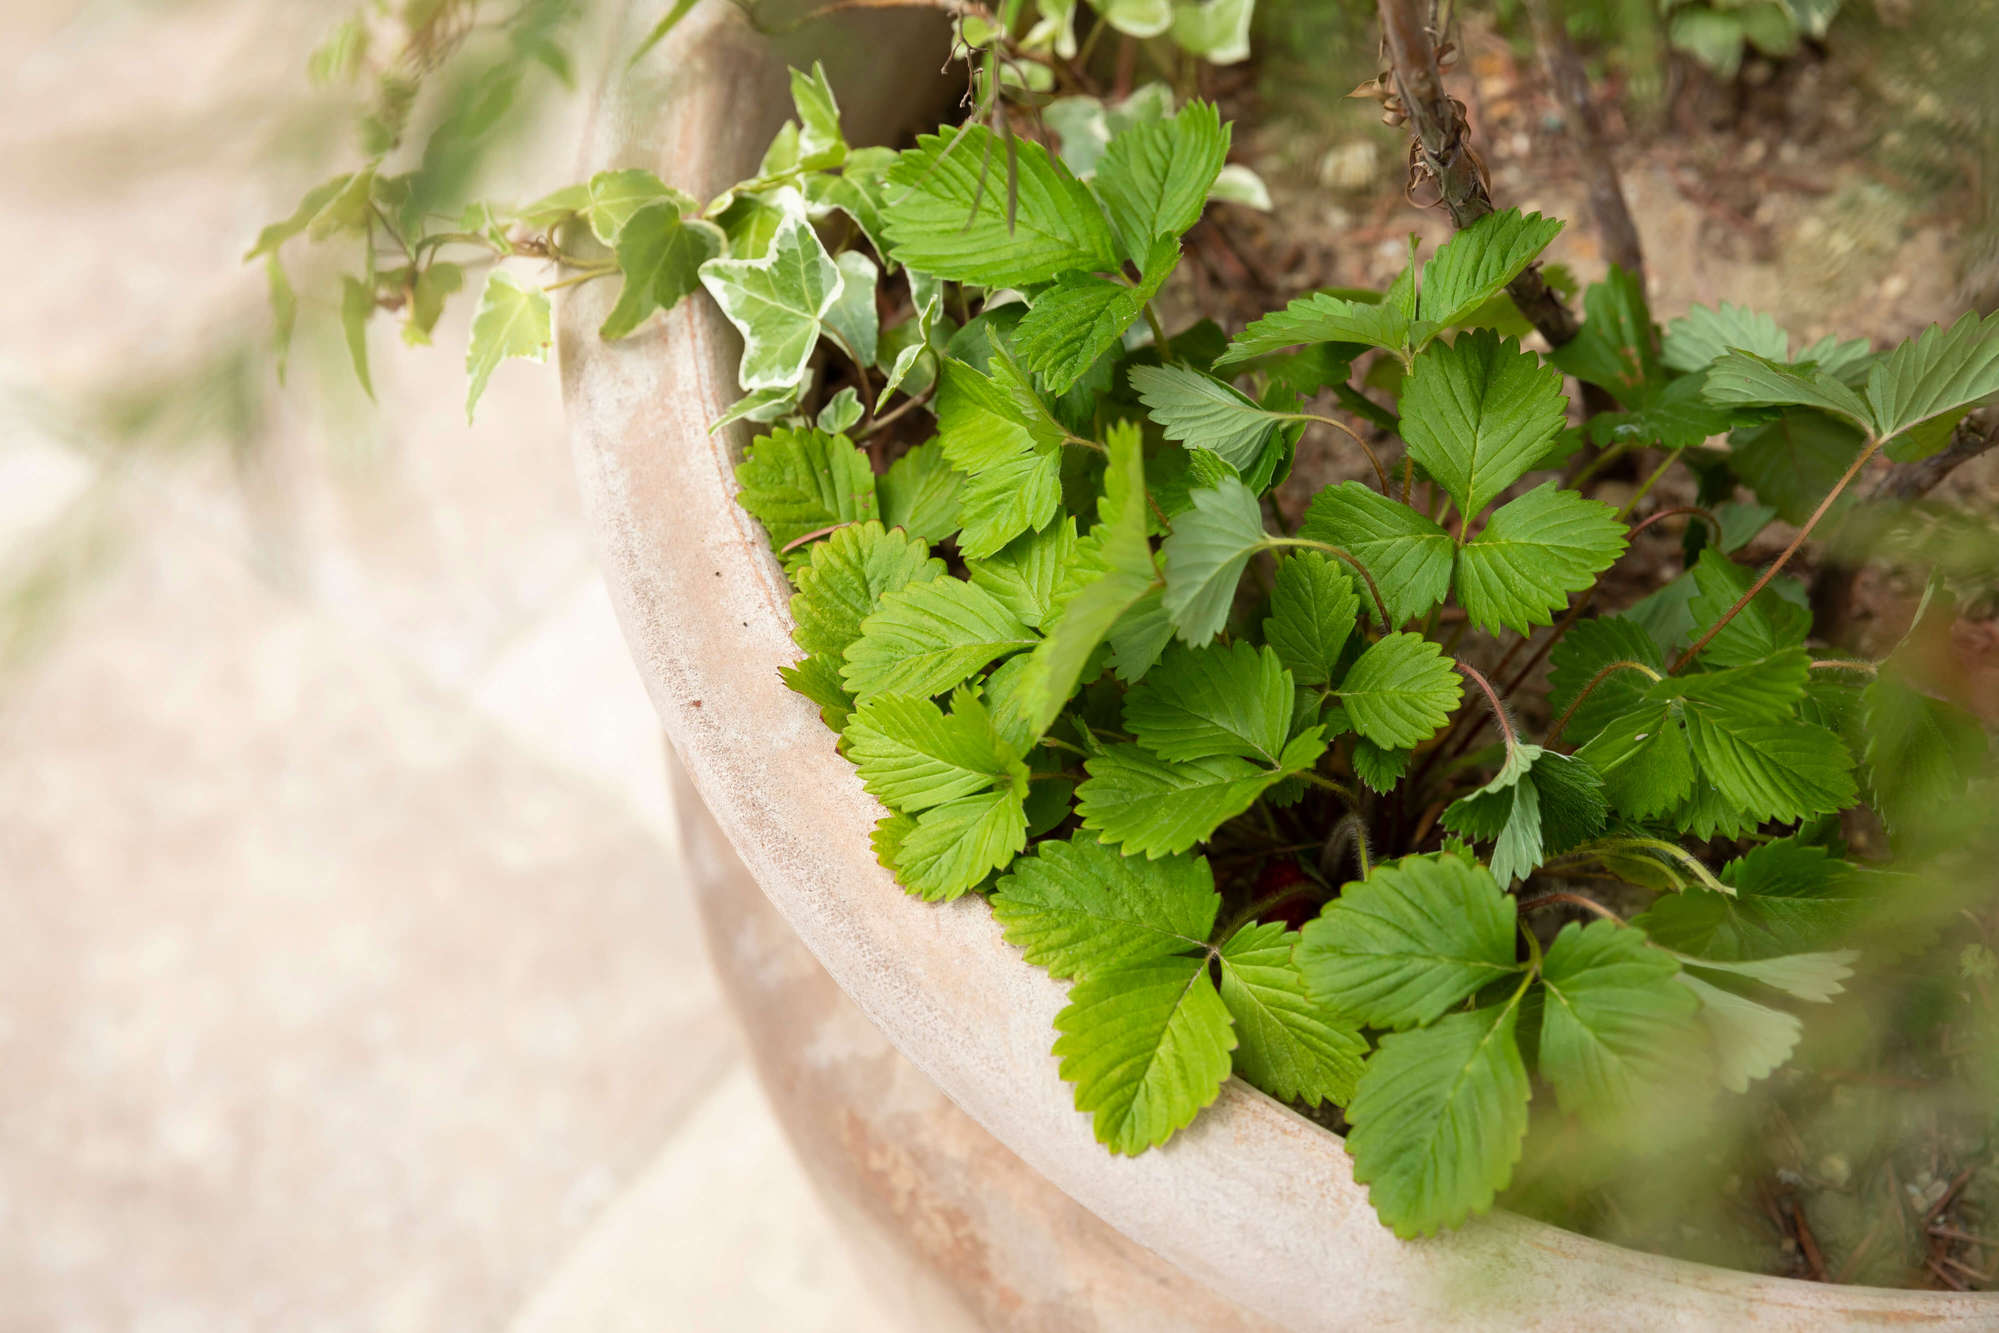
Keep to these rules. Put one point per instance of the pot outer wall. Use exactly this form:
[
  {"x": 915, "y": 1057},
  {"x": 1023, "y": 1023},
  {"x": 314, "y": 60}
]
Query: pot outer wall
[{"x": 1252, "y": 1214}]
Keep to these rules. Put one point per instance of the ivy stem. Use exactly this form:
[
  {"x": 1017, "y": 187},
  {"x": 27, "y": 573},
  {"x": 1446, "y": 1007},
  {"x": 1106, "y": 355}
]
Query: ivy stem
[
  {"x": 1574, "y": 900},
  {"x": 1380, "y": 606},
  {"x": 575, "y": 278},
  {"x": 1380, "y": 473},
  {"x": 1624, "y": 664},
  {"x": 901, "y": 409},
  {"x": 1770, "y": 572}
]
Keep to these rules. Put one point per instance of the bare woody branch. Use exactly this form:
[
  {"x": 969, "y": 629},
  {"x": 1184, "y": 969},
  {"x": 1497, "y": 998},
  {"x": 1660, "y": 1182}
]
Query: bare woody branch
[{"x": 1606, "y": 190}]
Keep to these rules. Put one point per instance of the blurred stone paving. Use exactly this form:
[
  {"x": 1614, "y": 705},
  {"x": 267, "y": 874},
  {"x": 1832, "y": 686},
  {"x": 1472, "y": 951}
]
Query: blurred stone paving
[{"x": 348, "y": 980}]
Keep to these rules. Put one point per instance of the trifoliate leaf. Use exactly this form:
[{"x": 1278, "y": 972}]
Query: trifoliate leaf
[
  {"x": 1532, "y": 554},
  {"x": 847, "y": 575},
  {"x": 919, "y": 493},
  {"x": 660, "y": 255},
  {"x": 1793, "y": 462},
  {"x": 1154, "y": 177},
  {"x": 999, "y": 433},
  {"x": 1582, "y": 654},
  {"x": 1289, "y": 1045},
  {"x": 778, "y": 303},
  {"x": 1205, "y": 413},
  {"x": 511, "y": 320},
  {"x": 1113, "y": 570},
  {"x": 1476, "y": 263},
  {"x": 1934, "y": 373},
  {"x": 1147, "y": 1047},
  {"x": 1745, "y": 379},
  {"x": 797, "y": 482},
  {"x": 1205, "y": 557},
  {"x": 615, "y": 197},
  {"x": 1379, "y": 768},
  {"x": 1200, "y": 703},
  {"x": 1401, "y": 690},
  {"x": 1439, "y": 1118},
  {"x": 956, "y": 845},
  {"x": 1771, "y": 770},
  {"x": 1401, "y": 947},
  {"x": 1408, "y": 556},
  {"x": 949, "y": 211},
  {"x": 928, "y": 637},
  {"x": 911, "y": 755},
  {"x": 1477, "y": 413},
  {"x": 1025, "y": 574},
  {"x": 852, "y": 320},
  {"x": 1312, "y": 613},
  {"x": 1697, "y": 338},
  {"x": 1152, "y": 807},
  {"x": 1541, "y": 804},
  {"x": 1616, "y": 347},
  {"x": 1320, "y": 318},
  {"x": 1748, "y": 1040},
  {"x": 1079, "y": 907},
  {"x": 1921, "y": 752},
  {"x": 1614, "y": 1023}
]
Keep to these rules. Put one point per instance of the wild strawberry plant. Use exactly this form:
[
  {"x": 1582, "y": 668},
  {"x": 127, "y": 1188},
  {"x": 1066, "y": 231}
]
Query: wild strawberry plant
[{"x": 1253, "y": 782}]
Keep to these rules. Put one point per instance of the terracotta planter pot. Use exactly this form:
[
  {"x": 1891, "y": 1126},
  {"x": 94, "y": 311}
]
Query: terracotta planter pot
[{"x": 1253, "y": 1210}]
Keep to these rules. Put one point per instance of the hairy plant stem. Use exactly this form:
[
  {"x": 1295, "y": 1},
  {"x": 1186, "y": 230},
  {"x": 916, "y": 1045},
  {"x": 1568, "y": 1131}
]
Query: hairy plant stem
[
  {"x": 1555, "y": 732},
  {"x": 1380, "y": 474},
  {"x": 1492, "y": 698},
  {"x": 1573, "y": 900}
]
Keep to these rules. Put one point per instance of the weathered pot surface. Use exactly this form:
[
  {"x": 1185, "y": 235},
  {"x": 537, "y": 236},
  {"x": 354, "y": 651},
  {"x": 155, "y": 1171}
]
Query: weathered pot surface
[{"x": 1252, "y": 1201}]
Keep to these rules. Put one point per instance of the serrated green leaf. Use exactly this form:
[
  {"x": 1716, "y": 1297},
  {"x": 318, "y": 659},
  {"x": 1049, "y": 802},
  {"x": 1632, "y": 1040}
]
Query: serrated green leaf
[
  {"x": 779, "y": 303},
  {"x": 1378, "y": 767},
  {"x": 1748, "y": 1040},
  {"x": 1408, "y": 556},
  {"x": 1938, "y": 371},
  {"x": 1541, "y": 804},
  {"x": 1704, "y": 333},
  {"x": 1792, "y": 462},
  {"x": 1147, "y": 1047},
  {"x": 928, "y": 637},
  {"x": 1476, "y": 263},
  {"x": 660, "y": 256},
  {"x": 1081, "y": 317},
  {"x": 1321, "y": 318},
  {"x": 1616, "y": 347},
  {"x": 1754, "y": 381},
  {"x": 1414, "y": 938},
  {"x": 1152, "y": 807},
  {"x": 1922, "y": 753},
  {"x": 1289, "y": 1045},
  {"x": 1199, "y": 703},
  {"x": 1439, "y": 1118},
  {"x": 1614, "y": 1024},
  {"x": 956, "y": 845},
  {"x": 797, "y": 482},
  {"x": 1772, "y": 770},
  {"x": 1582, "y": 653},
  {"x": 1312, "y": 615},
  {"x": 1533, "y": 553},
  {"x": 1401, "y": 690},
  {"x": 999, "y": 433},
  {"x": 1812, "y": 977},
  {"x": 1768, "y": 625},
  {"x": 911, "y": 755},
  {"x": 1210, "y": 546},
  {"x": 1644, "y": 760},
  {"x": 511, "y": 320},
  {"x": 1140, "y": 636},
  {"x": 1766, "y": 690},
  {"x": 1078, "y": 907},
  {"x": 846, "y": 576},
  {"x": 1678, "y": 416},
  {"x": 1026, "y": 573},
  {"x": 1155, "y": 176},
  {"x": 818, "y": 679},
  {"x": 919, "y": 493},
  {"x": 1789, "y": 898},
  {"x": 951, "y": 216},
  {"x": 1479, "y": 412}
]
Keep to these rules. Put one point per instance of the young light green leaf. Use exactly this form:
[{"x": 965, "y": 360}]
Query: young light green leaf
[
  {"x": 778, "y": 303},
  {"x": 1290, "y": 1046},
  {"x": 1813, "y": 977},
  {"x": 660, "y": 256},
  {"x": 820, "y": 144},
  {"x": 1220, "y": 700},
  {"x": 1321, "y": 318},
  {"x": 1754, "y": 381},
  {"x": 799, "y": 482},
  {"x": 1079, "y": 908},
  {"x": 998, "y": 432},
  {"x": 1476, "y": 263},
  {"x": 1748, "y": 1040},
  {"x": 1312, "y": 614},
  {"x": 1401, "y": 690},
  {"x": 911, "y": 755},
  {"x": 927, "y": 637},
  {"x": 1704, "y": 333},
  {"x": 1205, "y": 557},
  {"x": 613, "y": 198},
  {"x": 511, "y": 320},
  {"x": 1215, "y": 30},
  {"x": 1401, "y": 947},
  {"x": 1614, "y": 1025},
  {"x": 842, "y": 412},
  {"x": 846, "y": 576},
  {"x": 1153, "y": 808},
  {"x": 919, "y": 493},
  {"x": 1533, "y": 553},
  {"x": 1147, "y": 1047},
  {"x": 437, "y": 280},
  {"x": 1477, "y": 413},
  {"x": 950, "y": 216},
  {"x": 1026, "y": 573},
  {"x": 1204, "y": 413},
  {"x": 954, "y": 846},
  {"x": 1439, "y": 1118},
  {"x": 1408, "y": 556},
  {"x": 1154, "y": 177},
  {"x": 1936, "y": 372}
]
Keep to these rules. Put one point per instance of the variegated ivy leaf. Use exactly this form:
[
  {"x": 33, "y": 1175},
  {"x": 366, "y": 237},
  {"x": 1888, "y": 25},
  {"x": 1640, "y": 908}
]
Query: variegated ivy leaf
[{"x": 779, "y": 303}]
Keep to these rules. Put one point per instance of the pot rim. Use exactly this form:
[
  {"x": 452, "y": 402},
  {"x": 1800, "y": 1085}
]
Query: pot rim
[{"x": 1252, "y": 1199}]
